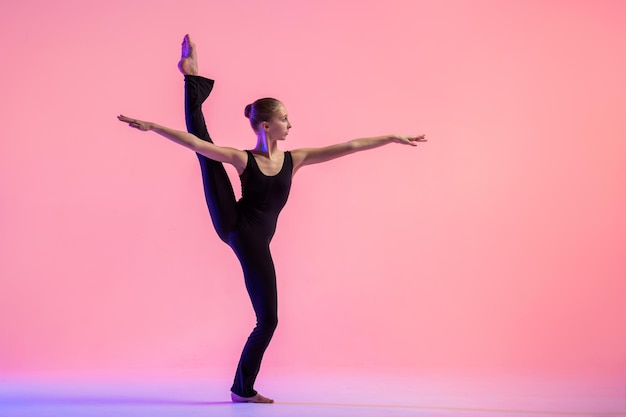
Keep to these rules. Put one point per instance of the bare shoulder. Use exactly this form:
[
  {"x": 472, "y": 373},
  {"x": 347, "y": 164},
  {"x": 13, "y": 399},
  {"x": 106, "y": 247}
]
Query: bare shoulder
[
  {"x": 298, "y": 156},
  {"x": 238, "y": 158},
  {"x": 225, "y": 154}
]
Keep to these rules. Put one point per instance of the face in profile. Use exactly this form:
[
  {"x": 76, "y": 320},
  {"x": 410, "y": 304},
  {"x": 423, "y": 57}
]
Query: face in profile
[{"x": 278, "y": 127}]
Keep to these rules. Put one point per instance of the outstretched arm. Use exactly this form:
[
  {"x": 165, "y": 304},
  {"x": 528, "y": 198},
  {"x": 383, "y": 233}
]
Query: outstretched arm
[
  {"x": 232, "y": 156},
  {"x": 308, "y": 156}
]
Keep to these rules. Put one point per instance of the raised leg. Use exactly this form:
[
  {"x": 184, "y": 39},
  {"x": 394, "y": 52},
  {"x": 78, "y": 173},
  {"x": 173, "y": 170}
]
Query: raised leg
[{"x": 218, "y": 190}]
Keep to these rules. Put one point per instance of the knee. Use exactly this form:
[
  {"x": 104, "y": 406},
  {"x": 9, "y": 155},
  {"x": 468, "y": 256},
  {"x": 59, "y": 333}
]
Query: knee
[{"x": 268, "y": 323}]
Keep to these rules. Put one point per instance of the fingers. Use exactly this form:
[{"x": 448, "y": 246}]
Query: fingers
[
  {"x": 131, "y": 122},
  {"x": 125, "y": 119},
  {"x": 413, "y": 140}
]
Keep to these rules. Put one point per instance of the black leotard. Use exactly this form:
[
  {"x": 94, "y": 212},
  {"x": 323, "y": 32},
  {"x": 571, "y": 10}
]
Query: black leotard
[
  {"x": 263, "y": 196},
  {"x": 247, "y": 226}
]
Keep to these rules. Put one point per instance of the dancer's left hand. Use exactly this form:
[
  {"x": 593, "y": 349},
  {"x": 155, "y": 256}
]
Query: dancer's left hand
[{"x": 410, "y": 140}]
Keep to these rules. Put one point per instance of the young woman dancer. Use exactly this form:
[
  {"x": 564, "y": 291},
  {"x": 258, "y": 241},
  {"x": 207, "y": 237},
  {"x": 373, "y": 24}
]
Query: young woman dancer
[{"x": 248, "y": 225}]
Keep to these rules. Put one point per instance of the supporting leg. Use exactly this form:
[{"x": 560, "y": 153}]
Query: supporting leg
[{"x": 260, "y": 278}]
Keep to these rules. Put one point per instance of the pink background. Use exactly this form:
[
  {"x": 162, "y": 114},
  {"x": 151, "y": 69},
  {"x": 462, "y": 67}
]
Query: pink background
[{"x": 498, "y": 245}]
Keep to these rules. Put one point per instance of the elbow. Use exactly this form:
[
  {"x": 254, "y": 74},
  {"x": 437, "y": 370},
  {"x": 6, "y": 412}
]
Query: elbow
[{"x": 199, "y": 146}]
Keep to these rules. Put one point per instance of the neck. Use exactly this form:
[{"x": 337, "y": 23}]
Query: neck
[{"x": 265, "y": 145}]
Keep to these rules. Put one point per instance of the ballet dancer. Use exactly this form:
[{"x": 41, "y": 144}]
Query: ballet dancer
[{"x": 248, "y": 225}]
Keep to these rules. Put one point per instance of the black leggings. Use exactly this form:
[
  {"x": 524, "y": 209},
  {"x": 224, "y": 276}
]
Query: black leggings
[{"x": 250, "y": 245}]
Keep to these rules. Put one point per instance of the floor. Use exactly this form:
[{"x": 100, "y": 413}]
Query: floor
[{"x": 317, "y": 395}]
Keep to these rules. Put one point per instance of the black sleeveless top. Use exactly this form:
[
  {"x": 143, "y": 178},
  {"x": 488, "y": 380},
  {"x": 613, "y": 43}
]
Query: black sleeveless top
[{"x": 263, "y": 196}]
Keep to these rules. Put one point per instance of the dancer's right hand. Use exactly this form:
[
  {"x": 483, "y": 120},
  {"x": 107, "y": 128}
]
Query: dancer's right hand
[{"x": 137, "y": 124}]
